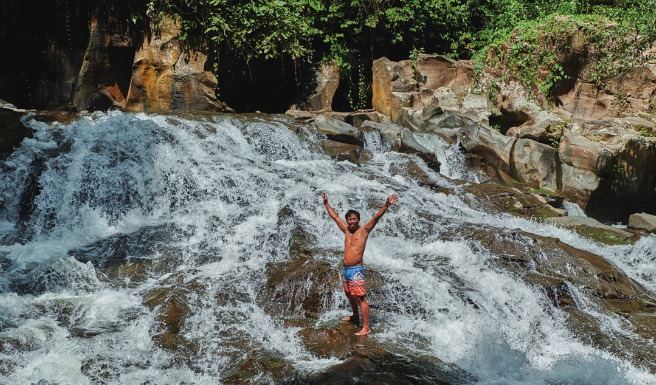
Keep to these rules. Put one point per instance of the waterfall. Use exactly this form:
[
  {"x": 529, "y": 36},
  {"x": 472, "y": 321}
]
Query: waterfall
[
  {"x": 373, "y": 141},
  {"x": 210, "y": 202}
]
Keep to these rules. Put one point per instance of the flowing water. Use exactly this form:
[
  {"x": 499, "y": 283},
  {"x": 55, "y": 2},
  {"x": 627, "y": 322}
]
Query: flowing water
[{"x": 200, "y": 198}]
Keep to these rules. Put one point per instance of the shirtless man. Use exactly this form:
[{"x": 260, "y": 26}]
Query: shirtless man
[{"x": 355, "y": 240}]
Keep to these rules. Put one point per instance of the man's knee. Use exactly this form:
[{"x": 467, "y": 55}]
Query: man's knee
[{"x": 360, "y": 298}]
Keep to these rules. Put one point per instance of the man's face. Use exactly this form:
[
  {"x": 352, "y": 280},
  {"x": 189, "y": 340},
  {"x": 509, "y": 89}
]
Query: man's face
[{"x": 352, "y": 222}]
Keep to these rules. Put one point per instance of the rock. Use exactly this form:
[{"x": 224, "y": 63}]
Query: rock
[
  {"x": 300, "y": 116},
  {"x": 547, "y": 128},
  {"x": 327, "y": 78},
  {"x": 535, "y": 163},
  {"x": 359, "y": 117},
  {"x": 410, "y": 145},
  {"x": 584, "y": 164},
  {"x": 165, "y": 78},
  {"x": 572, "y": 279},
  {"x": 259, "y": 363},
  {"x": 399, "y": 85},
  {"x": 12, "y": 130},
  {"x": 592, "y": 228},
  {"x": 516, "y": 199},
  {"x": 390, "y": 132},
  {"x": 494, "y": 147},
  {"x": 643, "y": 221},
  {"x": 372, "y": 362},
  {"x": 337, "y": 130},
  {"x": 301, "y": 287},
  {"x": 341, "y": 151}
]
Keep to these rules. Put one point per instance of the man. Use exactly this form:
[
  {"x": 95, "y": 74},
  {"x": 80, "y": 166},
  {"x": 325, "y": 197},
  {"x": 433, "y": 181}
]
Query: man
[{"x": 355, "y": 240}]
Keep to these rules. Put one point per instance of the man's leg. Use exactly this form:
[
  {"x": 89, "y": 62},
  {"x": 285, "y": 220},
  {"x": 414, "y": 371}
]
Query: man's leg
[
  {"x": 364, "y": 308},
  {"x": 355, "y": 318}
]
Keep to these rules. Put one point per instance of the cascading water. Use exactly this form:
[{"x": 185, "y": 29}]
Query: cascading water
[{"x": 200, "y": 200}]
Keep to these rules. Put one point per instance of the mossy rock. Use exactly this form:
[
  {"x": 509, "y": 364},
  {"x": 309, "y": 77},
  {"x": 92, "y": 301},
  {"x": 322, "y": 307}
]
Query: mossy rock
[{"x": 518, "y": 202}]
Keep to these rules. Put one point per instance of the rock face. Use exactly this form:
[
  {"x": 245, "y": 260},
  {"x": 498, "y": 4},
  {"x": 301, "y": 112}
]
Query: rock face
[
  {"x": 605, "y": 166},
  {"x": 164, "y": 77},
  {"x": 327, "y": 78},
  {"x": 400, "y": 90},
  {"x": 580, "y": 98}
]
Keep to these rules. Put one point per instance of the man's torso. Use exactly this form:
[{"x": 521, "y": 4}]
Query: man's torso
[{"x": 354, "y": 244}]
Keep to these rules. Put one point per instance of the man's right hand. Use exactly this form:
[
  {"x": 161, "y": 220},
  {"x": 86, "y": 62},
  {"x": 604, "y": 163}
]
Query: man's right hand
[{"x": 325, "y": 198}]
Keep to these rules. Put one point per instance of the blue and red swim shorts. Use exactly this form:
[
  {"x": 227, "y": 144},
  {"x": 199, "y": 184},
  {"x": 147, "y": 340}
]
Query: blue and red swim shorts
[{"x": 353, "y": 280}]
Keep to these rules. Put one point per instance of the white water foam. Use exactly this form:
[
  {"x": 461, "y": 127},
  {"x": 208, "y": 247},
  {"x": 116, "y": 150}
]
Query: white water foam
[{"x": 205, "y": 196}]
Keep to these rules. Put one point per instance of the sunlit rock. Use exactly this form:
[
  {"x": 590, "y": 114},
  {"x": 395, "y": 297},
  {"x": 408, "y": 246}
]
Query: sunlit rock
[
  {"x": 535, "y": 163},
  {"x": 592, "y": 228},
  {"x": 643, "y": 221},
  {"x": 165, "y": 78}
]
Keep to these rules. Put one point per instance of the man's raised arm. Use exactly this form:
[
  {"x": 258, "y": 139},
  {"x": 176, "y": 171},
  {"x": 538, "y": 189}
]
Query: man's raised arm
[
  {"x": 372, "y": 223},
  {"x": 333, "y": 214}
]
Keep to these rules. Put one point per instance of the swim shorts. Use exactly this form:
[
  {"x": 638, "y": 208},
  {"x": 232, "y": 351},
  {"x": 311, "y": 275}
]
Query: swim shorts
[{"x": 353, "y": 280}]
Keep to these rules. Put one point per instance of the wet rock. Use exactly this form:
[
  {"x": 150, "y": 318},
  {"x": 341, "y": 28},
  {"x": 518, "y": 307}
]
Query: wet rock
[
  {"x": 410, "y": 145},
  {"x": 574, "y": 280},
  {"x": 130, "y": 259},
  {"x": 260, "y": 364},
  {"x": 12, "y": 130},
  {"x": 302, "y": 287},
  {"x": 57, "y": 275},
  {"x": 341, "y": 151},
  {"x": 366, "y": 361},
  {"x": 390, "y": 132}
]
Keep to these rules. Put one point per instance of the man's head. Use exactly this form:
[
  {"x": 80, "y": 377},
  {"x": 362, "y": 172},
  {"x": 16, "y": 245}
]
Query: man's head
[{"x": 352, "y": 220}]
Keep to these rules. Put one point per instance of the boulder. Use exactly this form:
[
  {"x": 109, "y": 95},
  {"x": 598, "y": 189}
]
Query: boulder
[
  {"x": 367, "y": 361},
  {"x": 490, "y": 144},
  {"x": 337, "y": 130},
  {"x": 535, "y": 163},
  {"x": 327, "y": 78},
  {"x": 409, "y": 145},
  {"x": 302, "y": 287},
  {"x": 643, "y": 221},
  {"x": 389, "y": 132}
]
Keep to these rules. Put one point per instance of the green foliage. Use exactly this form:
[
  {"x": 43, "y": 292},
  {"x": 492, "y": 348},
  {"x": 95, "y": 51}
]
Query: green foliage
[
  {"x": 554, "y": 142},
  {"x": 525, "y": 36},
  {"x": 529, "y": 40}
]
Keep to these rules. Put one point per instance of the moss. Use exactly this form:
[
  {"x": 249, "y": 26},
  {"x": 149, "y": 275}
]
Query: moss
[{"x": 604, "y": 236}]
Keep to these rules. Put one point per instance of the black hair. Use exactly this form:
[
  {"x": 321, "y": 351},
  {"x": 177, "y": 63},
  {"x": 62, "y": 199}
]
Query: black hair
[{"x": 350, "y": 212}]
